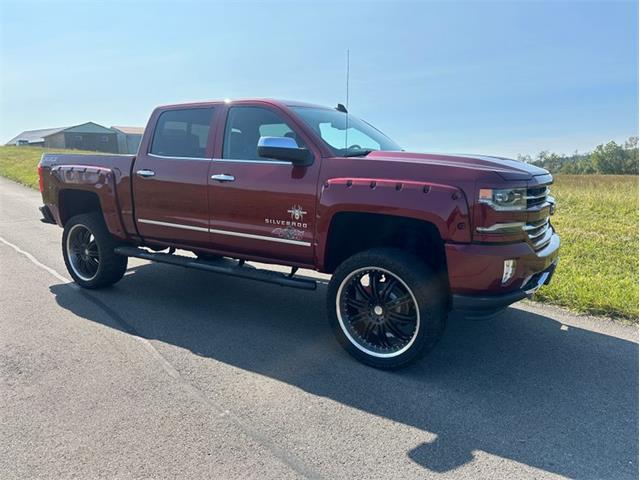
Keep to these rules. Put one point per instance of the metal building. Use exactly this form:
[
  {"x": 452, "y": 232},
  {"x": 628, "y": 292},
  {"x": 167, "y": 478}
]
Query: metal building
[
  {"x": 88, "y": 136},
  {"x": 33, "y": 138},
  {"x": 129, "y": 139}
]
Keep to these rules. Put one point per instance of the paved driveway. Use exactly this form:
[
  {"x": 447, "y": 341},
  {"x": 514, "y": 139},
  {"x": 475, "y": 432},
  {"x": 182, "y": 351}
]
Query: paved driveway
[{"x": 174, "y": 373}]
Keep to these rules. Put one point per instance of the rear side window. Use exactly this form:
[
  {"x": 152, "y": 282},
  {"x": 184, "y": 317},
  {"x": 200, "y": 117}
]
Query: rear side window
[
  {"x": 245, "y": 126},
  {"x": 182, "y": 133}
]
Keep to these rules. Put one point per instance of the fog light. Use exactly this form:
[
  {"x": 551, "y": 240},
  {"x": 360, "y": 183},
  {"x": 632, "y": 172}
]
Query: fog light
[{"x": 508, "y": 271}]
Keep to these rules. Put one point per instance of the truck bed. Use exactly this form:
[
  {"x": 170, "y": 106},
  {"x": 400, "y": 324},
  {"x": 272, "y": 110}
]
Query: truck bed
[{"x": 107, "y": 176}]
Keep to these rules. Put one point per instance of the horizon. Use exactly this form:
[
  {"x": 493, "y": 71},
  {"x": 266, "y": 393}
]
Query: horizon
[{"x": 487, "y": 78}]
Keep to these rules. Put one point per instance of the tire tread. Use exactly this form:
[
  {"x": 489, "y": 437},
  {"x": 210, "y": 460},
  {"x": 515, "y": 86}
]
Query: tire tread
[
  {"x": 426, "y": 286},
  {"x": 112, "y": 266}
]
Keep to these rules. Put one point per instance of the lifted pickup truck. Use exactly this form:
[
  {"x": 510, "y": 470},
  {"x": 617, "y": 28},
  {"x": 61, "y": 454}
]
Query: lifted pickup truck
[{"x": 406, "y": 236}]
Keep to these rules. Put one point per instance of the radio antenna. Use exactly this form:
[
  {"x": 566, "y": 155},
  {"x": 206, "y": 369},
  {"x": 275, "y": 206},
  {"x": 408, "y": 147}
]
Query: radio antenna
[{"x": 346, "y": 120}]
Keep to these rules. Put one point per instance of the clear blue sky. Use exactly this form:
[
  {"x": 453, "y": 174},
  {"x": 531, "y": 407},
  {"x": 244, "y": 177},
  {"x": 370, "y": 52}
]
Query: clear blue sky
[{"x": 493, "y": 78}]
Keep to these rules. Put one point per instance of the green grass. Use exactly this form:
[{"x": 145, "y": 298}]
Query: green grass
[
  {"x": 20, "y": 163},
  {"x": 597, "y": 219}
]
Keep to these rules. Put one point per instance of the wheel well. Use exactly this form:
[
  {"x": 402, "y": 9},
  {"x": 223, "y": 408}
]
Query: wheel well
[
  {"x": 352, "y": 232},
  {"x": 75, "y": 202}
]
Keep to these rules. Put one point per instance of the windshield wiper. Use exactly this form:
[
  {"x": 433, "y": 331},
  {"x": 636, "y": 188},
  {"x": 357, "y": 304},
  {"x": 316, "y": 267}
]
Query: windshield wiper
[{"x": 357, "y": 153}]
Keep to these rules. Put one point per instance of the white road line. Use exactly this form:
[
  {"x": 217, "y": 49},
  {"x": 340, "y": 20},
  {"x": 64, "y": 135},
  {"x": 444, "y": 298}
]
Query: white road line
[
  {"x": 36, "y": 262},
  {"x": 283, "y": 455}
]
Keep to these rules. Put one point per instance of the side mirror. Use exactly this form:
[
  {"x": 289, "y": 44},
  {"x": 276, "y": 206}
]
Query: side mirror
[{"x": 284, "y": 148}]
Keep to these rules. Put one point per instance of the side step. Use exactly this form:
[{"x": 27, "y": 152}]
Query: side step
[{"x": 224, "y": 266}]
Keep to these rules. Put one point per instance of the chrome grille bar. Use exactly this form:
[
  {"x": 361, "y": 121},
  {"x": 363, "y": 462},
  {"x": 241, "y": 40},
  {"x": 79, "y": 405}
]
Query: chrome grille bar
[{"x": 539, "y": 233}]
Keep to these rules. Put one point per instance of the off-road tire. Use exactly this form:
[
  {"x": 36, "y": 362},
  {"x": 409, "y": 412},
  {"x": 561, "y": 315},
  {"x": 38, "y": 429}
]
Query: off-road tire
[
  {"x": 111, "y": 266},
  {"x": 422, "y": 282}
]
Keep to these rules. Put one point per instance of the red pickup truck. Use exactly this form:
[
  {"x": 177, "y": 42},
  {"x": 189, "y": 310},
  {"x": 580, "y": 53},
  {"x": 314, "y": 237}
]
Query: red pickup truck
[{"x": 407, "y": 237}]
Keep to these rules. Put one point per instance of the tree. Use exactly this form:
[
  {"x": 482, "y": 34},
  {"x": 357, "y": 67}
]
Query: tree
[
  {"x": 609, "y": 158},
  {"x": 631, "y": 148}
]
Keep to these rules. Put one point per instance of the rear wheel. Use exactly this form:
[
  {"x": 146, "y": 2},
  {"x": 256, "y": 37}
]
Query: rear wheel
[
  {"x": 88, "y": 250},
  {"x": 386, "y": 307}
]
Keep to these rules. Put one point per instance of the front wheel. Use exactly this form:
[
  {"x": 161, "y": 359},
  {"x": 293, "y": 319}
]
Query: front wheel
[
  {"x": 88, "y": 250},
  {"x": 386, "y": 307}
]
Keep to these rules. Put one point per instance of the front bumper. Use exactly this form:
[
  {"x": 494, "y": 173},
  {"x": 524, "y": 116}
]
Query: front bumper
[
  {"x": 475, "y": 273},
  {"x": 481, "y": 305}
]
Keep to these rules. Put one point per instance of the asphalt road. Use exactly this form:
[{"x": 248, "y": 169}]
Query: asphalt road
[{"x": 174, "y": 373}]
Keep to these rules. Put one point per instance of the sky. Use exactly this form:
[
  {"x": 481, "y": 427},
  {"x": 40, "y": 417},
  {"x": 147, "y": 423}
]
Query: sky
[{"x": 494, "y": 78}]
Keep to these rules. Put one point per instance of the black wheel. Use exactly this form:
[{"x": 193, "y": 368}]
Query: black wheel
[
  {"x": 87, "y": 247},
  {"x": 386, "y": 307}
]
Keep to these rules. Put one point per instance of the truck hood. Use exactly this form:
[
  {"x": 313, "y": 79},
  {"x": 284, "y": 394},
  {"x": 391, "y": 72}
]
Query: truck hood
[{"x": 508, "y": 169}]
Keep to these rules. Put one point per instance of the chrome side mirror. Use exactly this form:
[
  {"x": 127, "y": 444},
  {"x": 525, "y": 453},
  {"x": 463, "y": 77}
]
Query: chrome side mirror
[{"x": 284, "y": 148}]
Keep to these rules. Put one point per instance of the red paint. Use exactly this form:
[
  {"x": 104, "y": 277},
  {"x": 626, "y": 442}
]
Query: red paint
[{"x": 436, "y": 188}]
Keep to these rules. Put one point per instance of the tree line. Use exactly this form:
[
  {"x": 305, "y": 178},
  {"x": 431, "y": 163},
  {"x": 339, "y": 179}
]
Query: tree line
[{"x": 608, "y": 159}]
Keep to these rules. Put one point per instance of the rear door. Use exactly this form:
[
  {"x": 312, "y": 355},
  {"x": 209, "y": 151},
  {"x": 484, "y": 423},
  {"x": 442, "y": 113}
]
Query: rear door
[
  {"x": 170, "y": 177},
  {"x": 261, "y": 207}
]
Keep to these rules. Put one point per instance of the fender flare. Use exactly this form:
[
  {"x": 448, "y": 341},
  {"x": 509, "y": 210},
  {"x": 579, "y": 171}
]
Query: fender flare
[
  {"x": 97, "y": 180},
  {"x": 444, "y": 206}
]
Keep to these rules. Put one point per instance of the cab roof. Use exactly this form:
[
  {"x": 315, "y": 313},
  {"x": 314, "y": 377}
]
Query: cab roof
[{"x": 270, "y": 101}]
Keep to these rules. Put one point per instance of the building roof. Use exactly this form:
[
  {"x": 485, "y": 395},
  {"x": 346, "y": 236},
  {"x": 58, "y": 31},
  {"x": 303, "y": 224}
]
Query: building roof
[
  {"x": 38, "y": 136},
  {"x": 88, "y": 127},
  {"x": 34, "y": 136},
  {"x": 129, "y": 130}
]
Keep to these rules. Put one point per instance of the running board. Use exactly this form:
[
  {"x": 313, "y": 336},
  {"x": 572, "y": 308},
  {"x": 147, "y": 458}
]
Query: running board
[{"x": 224, "y": 266}]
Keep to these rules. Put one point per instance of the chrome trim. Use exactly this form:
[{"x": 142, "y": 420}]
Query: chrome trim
[
  {"x": 177, "y": 158},
  {"x": 497, "y": 227},
  {"x": 224, "y": 232},
  {"x": 539, "y": 206},
  {"x": 542, "y": 195},
  {"x": 533, "y": 236},
  {"x": 278, "y": 142},
  {"x": 223, "y": 177},
  {"x": 174, "y": 225},
  {"x": 539, "y": 284},
  {"x": 271, "y": 162},
  {"x": 546, "y": 239},
  {"x": 145, "y": 173},
  {"x": 259, "y": 237},
  {"x": 537, "y": 224}
]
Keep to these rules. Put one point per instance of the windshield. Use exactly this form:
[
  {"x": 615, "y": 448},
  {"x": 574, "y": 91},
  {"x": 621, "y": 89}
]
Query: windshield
[{"x": 346, "y": 136}]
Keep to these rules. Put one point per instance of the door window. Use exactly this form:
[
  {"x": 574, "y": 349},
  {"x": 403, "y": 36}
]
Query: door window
[
  {"x": 245, "y": 126},
  {"x": 182, "y": 133}
]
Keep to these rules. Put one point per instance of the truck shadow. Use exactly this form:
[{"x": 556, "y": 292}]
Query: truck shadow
[{"x": 517, "y": 386}]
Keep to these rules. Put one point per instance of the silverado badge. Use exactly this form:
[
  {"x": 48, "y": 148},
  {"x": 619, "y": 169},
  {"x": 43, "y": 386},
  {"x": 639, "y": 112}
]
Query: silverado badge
[{"x": 296, "y": 212}]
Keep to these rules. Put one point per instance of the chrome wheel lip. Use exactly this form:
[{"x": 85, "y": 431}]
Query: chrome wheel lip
[
  {"x": 71, "y": 255},
  {"x": 345, "y": 330}
]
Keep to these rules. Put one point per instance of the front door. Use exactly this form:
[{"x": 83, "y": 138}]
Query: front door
[
  {"x": 261, "y": 207},
  {"x": 170, "y": 178}
]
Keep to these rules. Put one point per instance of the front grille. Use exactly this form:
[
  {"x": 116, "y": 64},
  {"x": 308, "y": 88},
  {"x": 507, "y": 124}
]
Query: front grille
[
  {"x": 539, "y": 233},
  {"x": 537, "y": 195}
]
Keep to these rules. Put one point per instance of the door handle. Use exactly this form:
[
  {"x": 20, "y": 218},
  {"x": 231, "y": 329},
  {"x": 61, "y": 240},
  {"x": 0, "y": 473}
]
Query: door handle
[
  {"x": 223, "y": 177},
  {"x": 145, "y": 173}
]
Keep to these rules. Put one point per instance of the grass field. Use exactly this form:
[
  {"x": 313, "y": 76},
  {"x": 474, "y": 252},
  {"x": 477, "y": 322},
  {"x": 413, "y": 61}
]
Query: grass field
[
  {"x": 597, "y": 219},
  {"x": 19, "y": 163}
]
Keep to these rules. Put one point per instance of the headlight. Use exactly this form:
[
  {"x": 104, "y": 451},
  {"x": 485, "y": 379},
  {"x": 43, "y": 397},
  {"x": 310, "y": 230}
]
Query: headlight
[{"x": 504, "y": 198}]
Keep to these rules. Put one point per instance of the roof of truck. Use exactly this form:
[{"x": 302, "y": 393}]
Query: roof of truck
[{"x": 273, "y": 101}]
